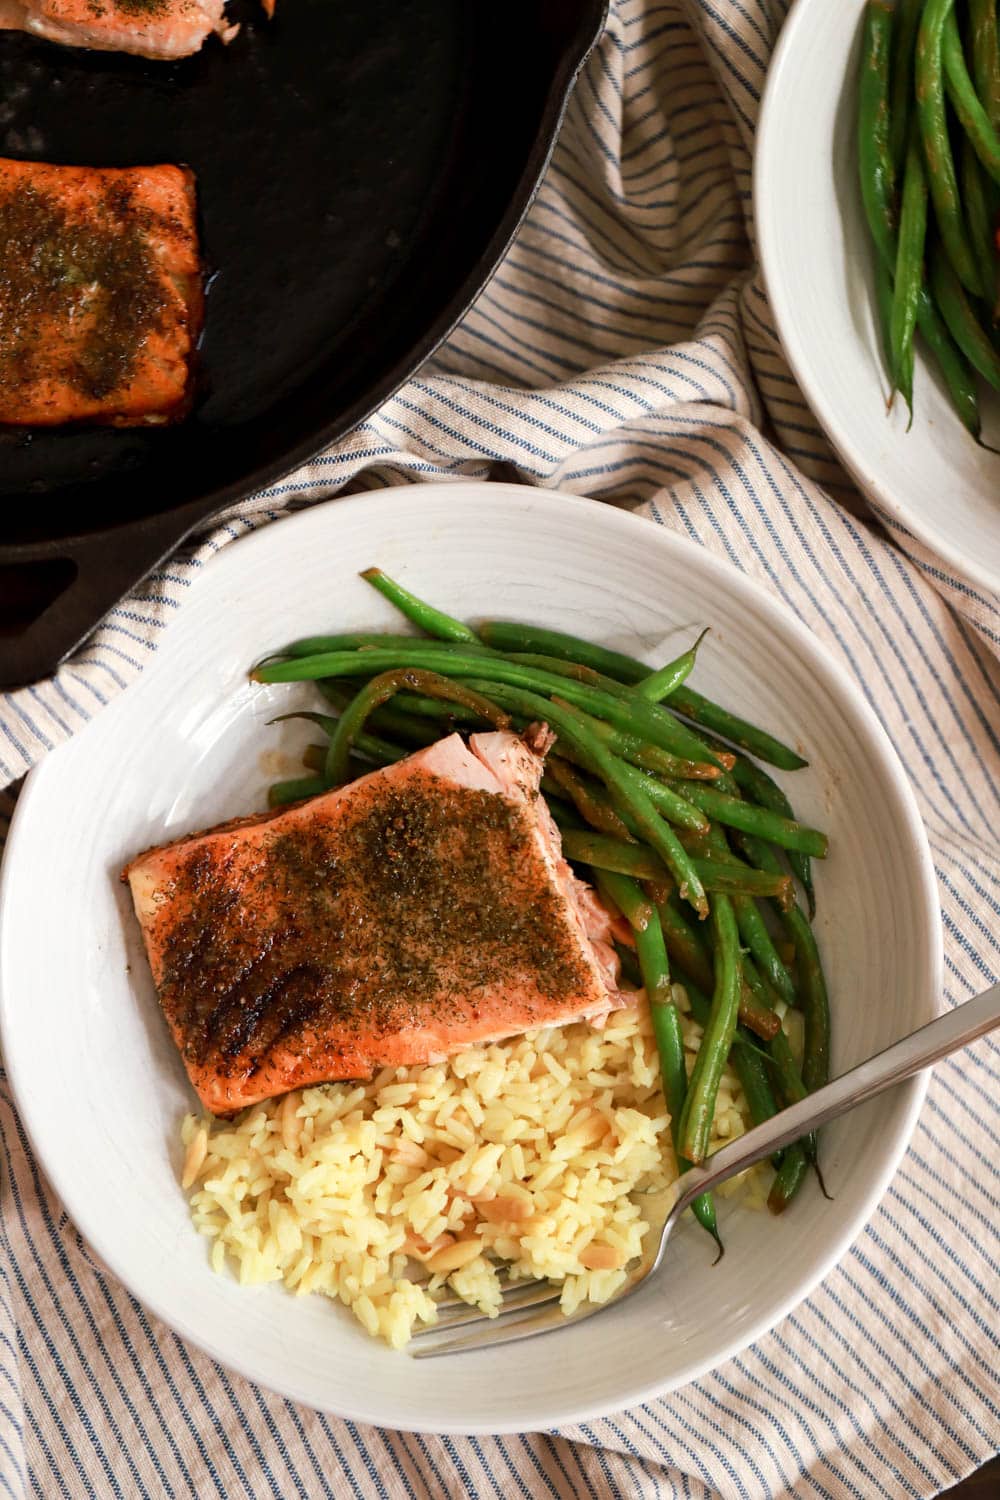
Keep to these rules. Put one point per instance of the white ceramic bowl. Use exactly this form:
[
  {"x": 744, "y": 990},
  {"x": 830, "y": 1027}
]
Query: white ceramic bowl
[
  {"x": 101, "y": 1089},
  {"x": 818, "y": 264}
]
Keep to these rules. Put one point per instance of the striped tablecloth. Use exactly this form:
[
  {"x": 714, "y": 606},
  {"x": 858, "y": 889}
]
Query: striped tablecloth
[{"x": 624, "y": 350}]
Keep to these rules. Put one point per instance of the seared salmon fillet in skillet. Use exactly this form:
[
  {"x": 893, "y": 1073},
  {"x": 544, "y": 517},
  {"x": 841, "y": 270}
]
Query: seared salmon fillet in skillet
[
  {"x": 100, "y": 293},
  {"x": 161, "y": 29},
  {"x": 414, "y": 912}
]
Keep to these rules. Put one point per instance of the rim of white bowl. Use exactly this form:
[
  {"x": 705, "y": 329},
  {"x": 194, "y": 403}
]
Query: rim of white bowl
[
  {"x": 915, "y": 1088},
  {"x": 766, "y": 194}
]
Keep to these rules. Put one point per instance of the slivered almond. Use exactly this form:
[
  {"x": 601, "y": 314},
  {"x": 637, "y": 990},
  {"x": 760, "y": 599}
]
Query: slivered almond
[
  {"x": 289, "y": 1122},
  {"x": 421, "y": 1250},
  {"x": 409, "y": 1153},
  {"x": 195, "y": 1158},
  {"x": 453, "y": 1257},
  {"x": 591, "y": 1131},
  {"x": 598, "y": 1257},
  {"x": 504, "y": 1209}
]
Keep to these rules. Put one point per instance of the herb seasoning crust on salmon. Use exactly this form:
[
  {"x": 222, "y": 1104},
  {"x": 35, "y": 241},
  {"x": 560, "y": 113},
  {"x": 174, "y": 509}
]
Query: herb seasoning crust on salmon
[
  {"x": 160, "y": 29},
  {"x": 100, "y": 294},
  {"x": 419, "y": 910}
]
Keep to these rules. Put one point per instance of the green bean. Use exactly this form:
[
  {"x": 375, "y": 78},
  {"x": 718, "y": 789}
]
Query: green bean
[
  {"x": 412, "y": 729},
  {"x": 660, "y": 684},
  {"x": 621, "y": 894},
  {"x": 360, "y": 640},
  {"x": 701, "y": 1009},
  {"x": 751, "y": 1070},
  {"x": 883, "y": 306},
  {"x": 280, "y": 793},
  {"x": 378, "y": 690},
  {"x": 976, "y": 196},
  {"x": 790, "y": 1177},
  {"x": 904, "y": 31},
  {"x": 443, "y": 627},
  {"x": 626, "y": 669},
  {"x": 909, "y": 275},
  {"x": 734, "y": 813},
  {"x": 685, "y": 946},
  {"x": 986, "y": 56},
  {"x": 683, "y": 742},
  {"x": 755, "y": 936},
  {"x": 929, "y": 72},
  {"x": 629, "y": 964},
  {"x": 689, "y": 952},
  {"x": 952, "y": 364},
  {"x": 759, "y": 985},
  {"x": 961, "y": 319},
  {"x": 703, "y": 712},
  {"x": 761, "y": 788},
  {"x": 874, "y": 153},
  {"x": 505, "y": 635},
  {"x": 593, "y": 806},
  {"x": 703, "y": 1086},
  {"x": 648, "y": 757},
  {"x": 623, "y": 709},
  {"x": 961, "y": 91},
  {"x": 631, "y": 800},
  {"x": 675, "y": 806},
  {"x": 811, "y": 982},
  {"x": 655, "y": 971},
  {"x": 607, "y": 853},
  {"x": 371, "y": 746}
]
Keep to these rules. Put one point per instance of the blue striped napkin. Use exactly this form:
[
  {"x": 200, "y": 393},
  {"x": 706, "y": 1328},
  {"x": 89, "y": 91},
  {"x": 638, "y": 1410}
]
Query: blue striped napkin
[{"x": 625, "y": 350}]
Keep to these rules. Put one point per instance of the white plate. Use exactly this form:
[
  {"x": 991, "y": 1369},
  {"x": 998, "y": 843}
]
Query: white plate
[
  {"x": 818, "y": 263},
  {"x": 101, "y": 1089}
]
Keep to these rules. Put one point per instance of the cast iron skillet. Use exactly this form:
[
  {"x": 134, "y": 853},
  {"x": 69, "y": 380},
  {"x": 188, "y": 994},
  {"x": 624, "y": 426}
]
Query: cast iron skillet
[{"x": 361, "y": 166}]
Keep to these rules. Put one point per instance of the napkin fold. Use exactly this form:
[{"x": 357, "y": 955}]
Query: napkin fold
[{"x": 624, "y": 350}]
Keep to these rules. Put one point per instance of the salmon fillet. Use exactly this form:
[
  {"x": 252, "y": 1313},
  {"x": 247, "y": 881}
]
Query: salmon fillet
[
  {"x": 161, "y": 29},
  {"x": 100, "y": 293},
  {"x": 422, "y": 909}
]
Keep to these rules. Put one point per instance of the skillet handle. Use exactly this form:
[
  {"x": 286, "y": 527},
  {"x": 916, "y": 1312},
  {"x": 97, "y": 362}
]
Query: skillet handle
[{"x": 52, "y": 599}]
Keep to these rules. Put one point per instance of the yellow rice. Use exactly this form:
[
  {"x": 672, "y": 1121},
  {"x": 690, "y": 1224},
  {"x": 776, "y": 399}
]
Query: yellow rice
[{"x": 524, "y": 1154}]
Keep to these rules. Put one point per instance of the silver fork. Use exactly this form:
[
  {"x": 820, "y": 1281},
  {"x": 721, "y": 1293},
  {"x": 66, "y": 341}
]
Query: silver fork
[{"x": 532, "y": 1307}]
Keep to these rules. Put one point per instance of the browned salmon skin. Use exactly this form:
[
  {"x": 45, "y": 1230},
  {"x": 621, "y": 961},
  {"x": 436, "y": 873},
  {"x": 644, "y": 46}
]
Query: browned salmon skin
[
  {"x": 100, "y": 293},
  {"x": 163, "y": 29},
  {"x": 422, "y": 909}
]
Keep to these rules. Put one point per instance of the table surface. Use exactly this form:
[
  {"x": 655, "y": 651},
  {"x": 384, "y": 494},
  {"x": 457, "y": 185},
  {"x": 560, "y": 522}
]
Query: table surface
[{"x": 983, "y": 1485}]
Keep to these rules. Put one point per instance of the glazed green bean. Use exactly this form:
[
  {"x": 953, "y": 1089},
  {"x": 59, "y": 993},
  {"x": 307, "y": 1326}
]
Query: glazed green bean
[
  {"x": 755, "y": 936},
  {"x": 976, "y": 193},
  {"x": 749, "y": 818},
  {"x": 654, "y": 969},
  {"x": 594, "y": 807},
  {"x": 809, "y": 969},
  {"x": 280, "y": 793},
  {"x": 660, "y": 684},
  {"x": 361, "y": 640},
  {"x": 613, "y": 853},
  {"x": 703, "y": 1086},
  {"x": 953, "y": 366},
  {"x": 961, "y": 91},
  {"x": 904, "y": 32},
  {"x": 930, "y": 88},
  {"x": 688, "y": 950},
  {"x": 378, "y": 690},
  {"x": 621, "y": 894},
  {"x": 789, "y": 1179},
  {"x": 909, "y": 274},
  {"x": 706, "y": 714},
  {"x": 443, "y": 627},
  {"x": 648, "y": 757},
  {"x": 961, "y": 319},
  {"x": 411, "y": 728},
  {"x": 986, "y": 56},
  {"x": 874, "y": 152},
  {"x": 624, "y": 709},
  {"x": 506, "y": 636}
]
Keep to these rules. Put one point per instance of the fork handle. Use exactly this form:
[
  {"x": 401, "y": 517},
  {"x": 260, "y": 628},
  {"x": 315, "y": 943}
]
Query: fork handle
[{"x": 922, "y": 1048}]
